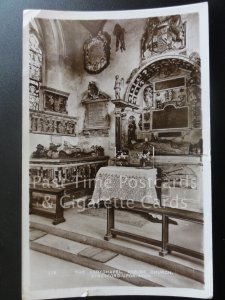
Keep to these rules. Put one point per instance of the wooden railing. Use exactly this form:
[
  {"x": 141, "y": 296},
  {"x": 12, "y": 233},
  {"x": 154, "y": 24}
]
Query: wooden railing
[{"x": 166, "y": 214}]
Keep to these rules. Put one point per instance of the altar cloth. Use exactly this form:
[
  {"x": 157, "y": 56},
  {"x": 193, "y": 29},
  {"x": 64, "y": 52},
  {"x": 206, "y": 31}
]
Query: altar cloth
[{"x": 125, "y": 183}]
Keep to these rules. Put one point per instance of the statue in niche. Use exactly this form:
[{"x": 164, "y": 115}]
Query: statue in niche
[
  {"x": 71, "y": 128},
  {"x": 181, "y": 99},
  {"x": 147, "y": 116},
  {"x": 131, "y": 131},
  {"x": 67, "y": 127},
  {"x": 60, "y": 128},
  {"x": 34, "y": 124},
  {"x": 51, "y": 126},
  {"x": 148, "y": 96},
  {"x": 119, "y": 32},
  {"x": 45, "y": 125},
  {"x": 159, "y": 100},
  {"x": 39, "y": 124},
  {"x": 169, "y": 95},
  {"x": 117, "y": 87},
  {"x": 57, "y": 104}
]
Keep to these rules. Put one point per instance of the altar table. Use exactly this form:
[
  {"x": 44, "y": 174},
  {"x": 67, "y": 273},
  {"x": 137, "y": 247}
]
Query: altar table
[
  {"x": 115, "y": 186},
  {"x": 126, "y": 183}
]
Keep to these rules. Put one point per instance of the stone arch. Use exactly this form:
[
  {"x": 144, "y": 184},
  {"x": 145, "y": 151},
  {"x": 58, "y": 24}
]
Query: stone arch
[
  {"x": 166, "y": 63},
  {"x": 54, "y": 49}
]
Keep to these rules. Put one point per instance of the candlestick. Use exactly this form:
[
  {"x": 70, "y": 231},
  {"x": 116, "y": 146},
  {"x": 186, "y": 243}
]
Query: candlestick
[{"x": 153, "y": 157}]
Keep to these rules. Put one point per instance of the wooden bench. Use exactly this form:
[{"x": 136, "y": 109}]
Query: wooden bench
[{"x": 166, "y": 213}]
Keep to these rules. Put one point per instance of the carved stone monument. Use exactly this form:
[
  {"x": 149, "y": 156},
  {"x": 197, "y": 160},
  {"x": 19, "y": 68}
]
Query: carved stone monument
[
  {"x": 97, "y": 119},
  {"x": 54, "y": 100}
]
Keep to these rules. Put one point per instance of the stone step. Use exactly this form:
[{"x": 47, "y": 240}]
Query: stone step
[
  {"x": 104, "y": 269},
  {"x": 36, "y": 234},
  {"x": 132, "y": 267},
  {"x": 161, "y": 262}
]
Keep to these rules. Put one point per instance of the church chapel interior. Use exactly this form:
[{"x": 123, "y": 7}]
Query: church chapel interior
[{"x": 115, "y": 139}]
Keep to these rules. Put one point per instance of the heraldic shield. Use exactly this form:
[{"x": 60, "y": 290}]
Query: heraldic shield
[{"x": 97, "y": 52}]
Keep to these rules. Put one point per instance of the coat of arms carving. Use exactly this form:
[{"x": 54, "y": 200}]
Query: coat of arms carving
[
  {"x": 97, "y": 52},
  {"x": 163, "y": 34}
]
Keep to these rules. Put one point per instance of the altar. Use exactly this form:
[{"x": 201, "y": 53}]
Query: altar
[
  {"x": 139, "y": 190},
  {"x": 126, "y": 183}
]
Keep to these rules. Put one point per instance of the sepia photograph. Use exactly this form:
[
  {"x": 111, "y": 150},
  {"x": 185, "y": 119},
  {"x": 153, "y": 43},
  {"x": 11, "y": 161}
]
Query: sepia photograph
[{"x": 116, "y": 186}]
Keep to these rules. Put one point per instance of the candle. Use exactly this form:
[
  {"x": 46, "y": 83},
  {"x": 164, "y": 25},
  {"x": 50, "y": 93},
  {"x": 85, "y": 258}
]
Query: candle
[{"x": 115, "y": 151}]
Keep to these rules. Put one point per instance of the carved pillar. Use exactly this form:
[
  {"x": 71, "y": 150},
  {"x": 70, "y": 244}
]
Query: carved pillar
[
  {"x": 118, "y": 129},
  {"x": 120, "y": 114},
  {"x": 123, "y": 129}
]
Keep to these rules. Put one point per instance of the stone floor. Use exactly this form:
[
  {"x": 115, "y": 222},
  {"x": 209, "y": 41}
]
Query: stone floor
[{"x": 51, "y": 272}]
